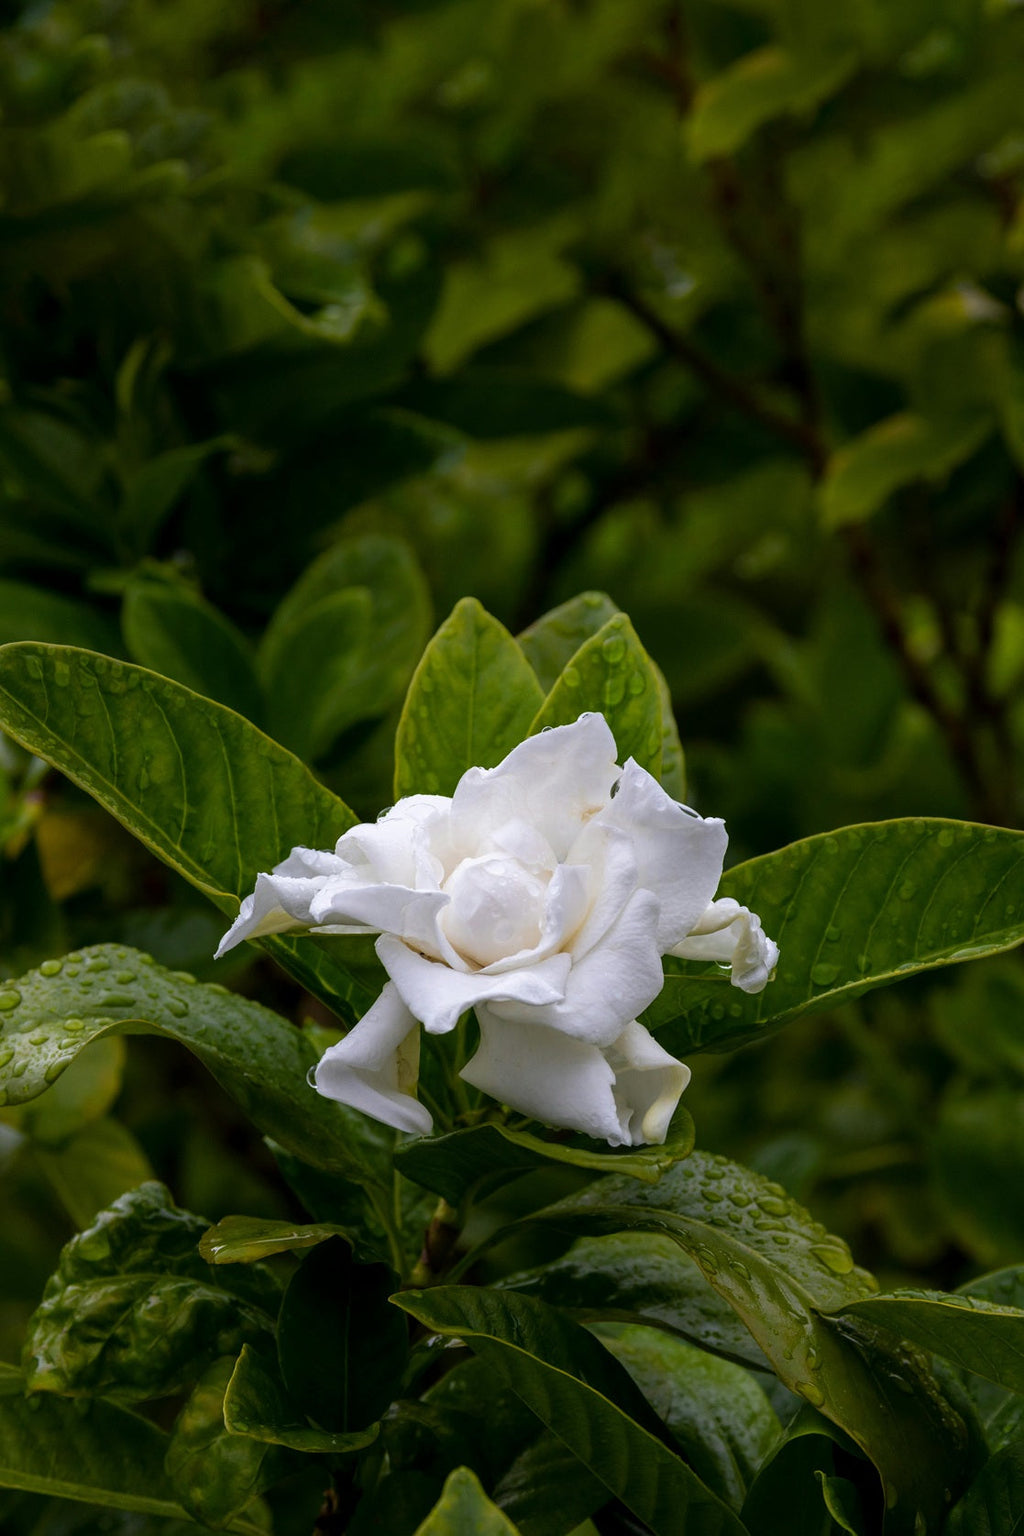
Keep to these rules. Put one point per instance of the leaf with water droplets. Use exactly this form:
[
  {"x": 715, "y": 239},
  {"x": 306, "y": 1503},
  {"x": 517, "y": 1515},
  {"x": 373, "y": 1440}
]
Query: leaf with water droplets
[
  {"x": 580, "y": 1391},
  {"x": 199, "y": 785},
  {"x": 973, "y": 1332},
  {"x": 611, "y": 674},
  {"x": 471, "y": 700},
  {"x": 852, "y": 910},
  {"x": 257, "y": 1056},
  {"x": 782, "y": 1273}
]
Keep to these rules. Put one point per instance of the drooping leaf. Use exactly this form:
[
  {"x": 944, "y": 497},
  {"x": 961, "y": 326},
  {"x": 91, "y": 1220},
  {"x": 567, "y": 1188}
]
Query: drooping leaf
[
  {"x": 214, "y": 1473},
  {"x": 611, "y": 674},
  {"x": 342, "y": 1348},
  {"x": 977, "y": 1335},
  {"x": 465, "y": 1510},
  {"x": 781, "y": 1272},
  {"x": 472, "y": 698},
  {"x": 204, "y": 789},
  {"x": 132, "y": 1310},
  {"x": 787, "y": 1498},
  {"x": 583, "y": 1395},
  {"x": 244, "y": 1239},
  {"x": 483, "y": 1157},
  {"x": 177, "y": 634},
  {"x": 94, "y": 1451},
  {"x": 257, "y": 1056},
  {"x": 852, "y": 910},
  {"x": 256, "y": 1404}
]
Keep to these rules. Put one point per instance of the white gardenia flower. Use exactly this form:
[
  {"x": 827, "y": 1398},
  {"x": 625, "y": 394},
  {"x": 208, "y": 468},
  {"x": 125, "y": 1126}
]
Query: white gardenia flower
[{"x": 543, "y": 895}]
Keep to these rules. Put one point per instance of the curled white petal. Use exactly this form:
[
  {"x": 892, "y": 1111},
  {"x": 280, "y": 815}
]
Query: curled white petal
[
  {"x": 374, "y": 1068},
  {"x": 282, "y": 899},
  {"x": 438, "y": 995},
  {"x": 733, "y": 936},
  {"x": 625, "y": 1096}
]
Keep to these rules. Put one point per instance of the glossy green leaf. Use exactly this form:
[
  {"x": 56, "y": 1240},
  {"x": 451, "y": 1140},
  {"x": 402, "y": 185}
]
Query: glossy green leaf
[
  {"x": 764, "y": 84},
  {"x": 851, "y": 910},
  {"x": 132, "y": 1310},
  {"x": 550, "y": 645},
  {"x": 975, "y": 1334},
  {"x": 465, "y": 1510},
  {"x": 256, "y": 1404},
  {"x": 204, "y": 789},
  {"x": 611, "y": 674},
  {"x": 244, "y": 1239},
  {"x": 480, "y": 1158},
  {"x": 547, "y": 1491},
  {"x": 471, "y": 700},
  {"x": 342, "y": 1348},
  {"x": 994, "y": 1501},
  {"x": 843, "y": 1503},
  {"x": 214, "y": 1473},
  {"x": 1000, "y": 1411},
  {"x": 84, "y": 1091},
  {"x": 176, "y": 633},
  {"x": 257, "y": 1056},
  {"x": 715, "y": 1410},
  {"x": 641, "y": 1277},
  {"x": 781, "y": 1271},
  {"x": 94, "y": 1451},
  {"x": 787, "y": 1497},
  {"x": 583, "y": 1395}
]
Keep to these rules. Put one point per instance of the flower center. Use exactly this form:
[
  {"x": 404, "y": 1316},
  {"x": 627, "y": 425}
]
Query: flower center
[{"x": 496, "y": 908}]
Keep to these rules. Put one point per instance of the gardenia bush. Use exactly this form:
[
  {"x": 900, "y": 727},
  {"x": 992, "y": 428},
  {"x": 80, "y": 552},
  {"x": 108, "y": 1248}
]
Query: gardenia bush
[{"x": 518, "y": 1299}]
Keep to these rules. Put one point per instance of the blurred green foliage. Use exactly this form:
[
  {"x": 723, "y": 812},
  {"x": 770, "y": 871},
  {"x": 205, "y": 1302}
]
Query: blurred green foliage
[{"x": 315, "y": 318}]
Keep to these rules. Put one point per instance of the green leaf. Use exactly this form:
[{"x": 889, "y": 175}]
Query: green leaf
[
  {"x": 177, "y": 634},
  {"x": 483, "y": 1157},
  {"x": 244, "y": 1239},
  {"x": 781, "y": 1271},
  {"x": 842, "y": 1502},
  {"x": 311, "y": 670},
  {"x": 204, "y": 789},
  {"x": 767, "y": 83},
  {"x": 612, "y": 675},
  {"x": 1000, "y": 1412},
  {"x": 995, "y": 1499},
  {"x": 971, "y": 1332},
  {"x": 547, "y": 1491},
  {"x": 583, "y": 1395},
  {"x": 471, "y": 700},
  {"x": 152, "y": 491},
  {"x": 32, "y": 613},
  {"x": 851, "y": 910},
  {"x": 256, "y": 1404},
  {"x": 465, "y": 1510},
  {"x": 976, "y": 1148},
  {"x": 342, "y": 1348},
  {"x": 787, "y": 1498},
  {"x": 643, "y": 1278},
  {"x": 92, "y": 1451},
  {"x": 214, "y": 1473},
  {"x": 343, "y": 642},
  {"x": 716, "y": 1411},
  {"x": 257, "y": 1056},
  {"x": 550, "y": 645},
  {"x": 92, "y": 1170},
  {"x": 83, "y": 1092},
  {"x": 904, "y": 448},
  {"x": 132, "y": 1311}
]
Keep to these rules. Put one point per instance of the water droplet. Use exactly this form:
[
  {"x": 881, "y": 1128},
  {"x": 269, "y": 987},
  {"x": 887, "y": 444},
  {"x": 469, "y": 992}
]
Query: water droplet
[
  {"x": 824, "y": 973},
  {"x": 72, "y": 970},
  {"x": 740, "y": 1197},
  {"x": 5, "y": 1055},
  {"x": 739, "y": 1268},
  {"x": 426, "y": 683},
  {"x": 831, "y": 845},
  {"x": 773, "y": 1206},
  {"x": 177, "y": 1007},
  {"x": 10, "y": 997},
  {"x": 51, "y": 967},
  {"x": 73, "y": 1026},
  {"x": 124, "y": 978},
  {"x": 837, "y": 1259},
  {"x": 735, "y": 1011},
  {"x": 97, "y": 963},
  {"x": 117, "y": 1000},
  {"x": 39, "y": 1038},
  {"x": 945, "y": 838},
  {"x": 718, "y": 1012},
  {"x": 713, "y": 1196},
  {"x": 54, "y": 1071},
  {"x": 813, "y": 1393},
  {"x": 571, "y": 677},
  {"x": 907, "y": 891},
  {"x": 833, "y": 935},
  {"x": 614, "y": 649},
  {"x": 614, "y": 691},
  {"x": 637, "y": 683}
]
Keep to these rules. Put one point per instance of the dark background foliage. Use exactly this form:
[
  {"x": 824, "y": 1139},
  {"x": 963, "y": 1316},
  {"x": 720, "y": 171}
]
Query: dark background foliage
[{"x": 711, "y": 307}]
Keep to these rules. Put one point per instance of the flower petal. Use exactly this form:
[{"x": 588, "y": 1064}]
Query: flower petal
[
  {"x": 547, "y": 1075},
  {"x": 438, "y": 995},
  {"x": 342, "y": 906},
  {"x": 648, "y": 1083},
  {"x": 554, "y": 781},
  {"x": 613, "y": 982},
  {"x": 374, "y": 1068},
  {"x": 282, "y": 900},
  {"x": 733, "y": 936},
  {"x": 397, "y": 849},
  {"x": 679, "y": 854}
]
